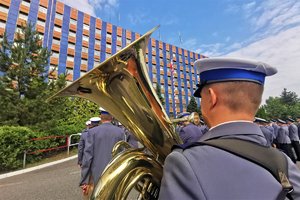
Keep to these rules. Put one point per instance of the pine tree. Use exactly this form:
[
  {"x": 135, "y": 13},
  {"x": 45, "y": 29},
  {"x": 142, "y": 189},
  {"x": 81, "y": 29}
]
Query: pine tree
[
  {"x": 158, "y": 92},
  {"x": 192, "y": 106}
]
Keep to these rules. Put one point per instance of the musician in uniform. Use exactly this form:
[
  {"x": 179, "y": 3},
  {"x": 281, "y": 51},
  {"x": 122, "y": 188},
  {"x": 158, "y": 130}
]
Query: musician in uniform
[
  {"x": 81, "y": 143},
  {"x": 267, "y": 132},
  {"x": 231, "y": 92},
  {"x": 97, "y": 153}
]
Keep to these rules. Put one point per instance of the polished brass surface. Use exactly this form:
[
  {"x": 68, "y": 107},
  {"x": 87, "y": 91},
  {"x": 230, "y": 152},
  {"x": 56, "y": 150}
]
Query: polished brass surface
[
  {"x": 189, "y": 118},
  {"x": 121, "y": 86}
]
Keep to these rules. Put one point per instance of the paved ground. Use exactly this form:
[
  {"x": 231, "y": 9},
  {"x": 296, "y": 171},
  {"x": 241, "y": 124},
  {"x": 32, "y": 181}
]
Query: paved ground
[{"x": 59, "y": 182}]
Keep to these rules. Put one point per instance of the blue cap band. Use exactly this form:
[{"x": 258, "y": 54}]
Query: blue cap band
[{"x": 228, "y": 74}]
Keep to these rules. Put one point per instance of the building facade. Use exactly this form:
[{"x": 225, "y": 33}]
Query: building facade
[{"x": 79, "y": 42}]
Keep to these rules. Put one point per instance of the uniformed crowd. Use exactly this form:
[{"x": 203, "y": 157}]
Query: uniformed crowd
[
  {"x": 282, "y": 134},
  {"x": 219, "y": 156},
  {"x": 95, "y": 147}
]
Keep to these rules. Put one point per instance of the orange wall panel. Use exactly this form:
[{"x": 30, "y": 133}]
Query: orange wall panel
[
  {"x": 73, "y": 27},
  {"x": 55, "y": 47},
  {"x": 86, "y": 19},
  {"x": 85, "y": 43},
  {"x": 85, "y": 32},
  {"x": 5, "y": 2},
  {"x": 108, "y": 40},
  {"x": 56, "y": 34},
  {"x": 69, "y": 77},
  {"x": 2, "y": 31},
  {"x": 98, "y": 36},
  {"x": 119, "y": 43},
  {"x": 40, "y": 28},
  {"x": 83, "y": 67},
  {"x": 153, "y": 42},
  {"x": 70, "y": 64},
  {"x": 98, "y": 23},
  {"x": 42, "y": 16},
  {"x": 54, "y": 61},
  {"x": 59, "y": 7},
  {"x": 97, "y": 58},
  {"x": 71, "y": 52},
  {"x": 119, "y": 31},
  {"x": 58, "y": 22},
  {"x": 3, "y": 16},
  {"x": 97, "y": 47},
  {"x": 128, "y": 34},
  {"x": 44, "y": 3},
  {"x": 73, "y": 13},
  {"x": 84, "y": 55},
  {"x": 109, "y": 28},
  {"x": 24, "y": 9},
  {"x": 72, "y": 39},
  {"x": 108, "y": 50}
]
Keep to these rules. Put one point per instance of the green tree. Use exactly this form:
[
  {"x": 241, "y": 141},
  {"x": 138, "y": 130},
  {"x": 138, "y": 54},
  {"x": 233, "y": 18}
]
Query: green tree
[
  {"x": 262, "y": 112},
  {"x": 192, "y": 106},
  {"x": 158, "y": 92},
  {"x": 289, "y": 97},
  {"x": 23, "y": 84}
]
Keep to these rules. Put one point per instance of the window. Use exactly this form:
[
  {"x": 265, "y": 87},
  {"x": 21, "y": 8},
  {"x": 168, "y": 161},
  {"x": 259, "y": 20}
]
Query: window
[
  {"x": 2, "y": 24},
  {"x": 84, "y": 62},
  {"x": 55, "y": 54},
  {"x": 25, "y": 3},
  {"x": 72, "y": 34},
  {"x": 82, "y": 73},
  {"x": 23, "y": 16},
  {"x": 97, "y": 62},
  {"x": 73, "y": 21},
  {"x": 128, "y": 41},
  {"x": 119, "y": 38},
  {"x": 97, "y": 53},
  {"x": 52, "y": 68},
  {"x": 108, "y": 46},
  {"x": 85, "y": 50},
  {"x": 70, "y": 58},
  {"x": 55, "y": 41},
  {"x": 86, "y": 27},
  {"x": 107, "y": 55},
  {"x": 58, "y": 16},
  {"x": 42, "y": 9},
  {"x": 119, "y": 48},
  {"x": 108, "y": 35},
  {"x": 70, "y": 72},
  {"x": 3, "y": 9},
  {"x": 71, "y": 46},
  {"x": 85, "y": 38},
  {"x": 98, "y": 31},
  {"x": 41, "y": 23},
  {"x": 97, "y": 42},
  {"x": 57, "y": 29},
  {"x": 41, "y": 36},
  {"x": 154, "y": 85}
]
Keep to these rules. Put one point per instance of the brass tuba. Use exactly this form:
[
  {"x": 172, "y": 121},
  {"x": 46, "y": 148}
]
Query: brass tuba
[{"x": 121, "y": 86}]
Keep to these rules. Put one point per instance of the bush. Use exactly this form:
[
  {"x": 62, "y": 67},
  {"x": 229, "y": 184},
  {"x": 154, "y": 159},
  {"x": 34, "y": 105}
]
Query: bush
[{"x": 13, "y": 142}]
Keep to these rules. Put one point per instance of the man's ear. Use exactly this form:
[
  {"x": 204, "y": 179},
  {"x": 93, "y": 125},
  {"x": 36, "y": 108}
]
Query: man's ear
[{"x": 213, "y": 97}]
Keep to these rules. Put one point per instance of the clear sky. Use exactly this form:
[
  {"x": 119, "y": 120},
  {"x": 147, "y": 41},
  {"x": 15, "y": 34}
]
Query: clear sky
[{"x": 265, "y": 30}]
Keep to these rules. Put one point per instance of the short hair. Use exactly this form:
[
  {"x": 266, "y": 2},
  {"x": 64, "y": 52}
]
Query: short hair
[
  {"x": 106, "y": 117},
  {"x": 239, "y": 96}
]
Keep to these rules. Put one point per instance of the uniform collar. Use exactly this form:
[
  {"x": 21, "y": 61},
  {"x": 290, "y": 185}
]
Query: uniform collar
[{"x": 233, "y": 128}]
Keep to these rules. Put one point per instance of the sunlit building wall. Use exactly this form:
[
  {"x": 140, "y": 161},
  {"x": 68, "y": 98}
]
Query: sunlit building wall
[{"x": 79, "y": 42}]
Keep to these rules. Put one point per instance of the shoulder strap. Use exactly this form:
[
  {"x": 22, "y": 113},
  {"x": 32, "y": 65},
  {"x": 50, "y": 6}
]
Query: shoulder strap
[{"x": 269, "y": 158}]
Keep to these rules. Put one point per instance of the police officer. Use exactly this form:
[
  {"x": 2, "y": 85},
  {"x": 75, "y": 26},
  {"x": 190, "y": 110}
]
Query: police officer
[
  {"x": 97, "y": 152},
  {"x": 231, "y": 92},
  {"x": 283, "y": 139},
  {"x": 267, "y": 132},
  {"x": 93, "y": 122},
  {"x": 293, "y": 134},
  {"x": 189, "y": 132}
]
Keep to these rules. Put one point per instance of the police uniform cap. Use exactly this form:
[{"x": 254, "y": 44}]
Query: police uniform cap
[
  {"x": 290, "y": 119},
  {"x": 214, "y": 70},
  {"x": 88, "y": 123},
  {"x": 103, "y": 111},
  {"x": 257, "y": 119},
  {"x": 182, "y": 115},
  {"x": 281, "y": 121},
  {"x": 272, "y": 120},
  {"x": 95, "y": 119}
]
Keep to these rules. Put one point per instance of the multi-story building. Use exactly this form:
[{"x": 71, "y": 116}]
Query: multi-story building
[{"x": 79, "y": 42}]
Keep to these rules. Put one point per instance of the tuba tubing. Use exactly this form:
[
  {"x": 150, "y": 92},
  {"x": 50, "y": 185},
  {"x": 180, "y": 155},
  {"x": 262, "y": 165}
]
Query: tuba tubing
[{"x": 121, "y": 86}]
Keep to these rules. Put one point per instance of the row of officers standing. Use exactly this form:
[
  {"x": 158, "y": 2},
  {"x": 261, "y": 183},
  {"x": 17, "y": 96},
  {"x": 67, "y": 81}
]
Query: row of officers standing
[
  {"x": 281, "y": 134},
  {"x": 101, "y": 134}
]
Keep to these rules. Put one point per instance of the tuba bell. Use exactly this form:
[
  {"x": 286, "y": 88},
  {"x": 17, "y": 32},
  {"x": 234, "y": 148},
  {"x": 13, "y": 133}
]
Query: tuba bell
[{"x": 121, "y": 86}]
